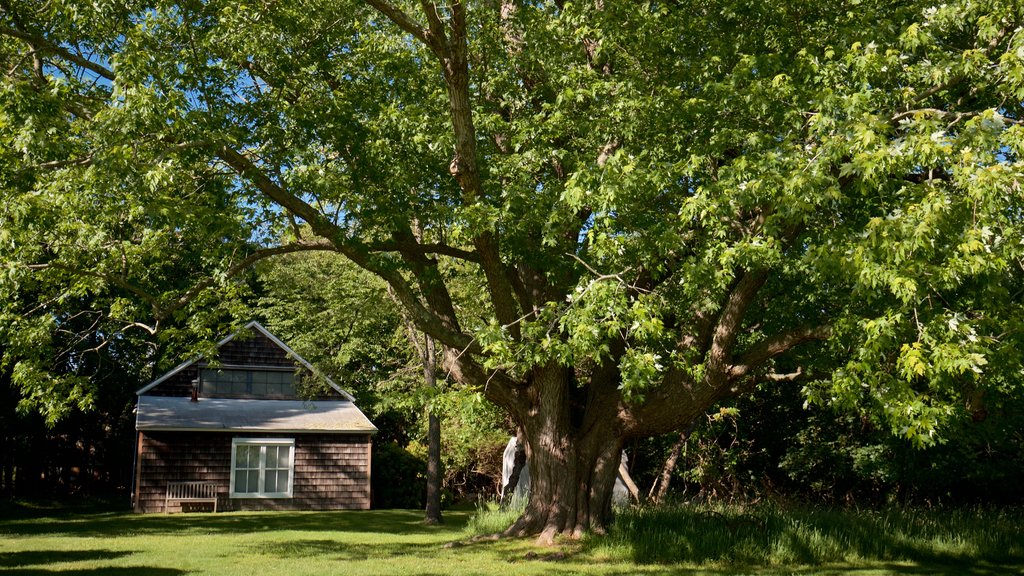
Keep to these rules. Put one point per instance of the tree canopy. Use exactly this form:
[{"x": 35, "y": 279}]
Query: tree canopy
[{"x": 658, "y": 205}]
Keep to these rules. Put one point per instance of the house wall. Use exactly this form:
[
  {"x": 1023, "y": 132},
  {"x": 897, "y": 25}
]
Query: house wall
[{"x": 332, "y": 471}]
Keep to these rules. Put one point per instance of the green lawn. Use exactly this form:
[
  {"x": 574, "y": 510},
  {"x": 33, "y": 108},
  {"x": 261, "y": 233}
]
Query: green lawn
[{"x": 86, "y": 541}]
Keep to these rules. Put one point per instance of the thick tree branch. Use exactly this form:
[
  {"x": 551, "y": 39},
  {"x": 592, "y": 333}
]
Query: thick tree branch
[
  {"x": 244, "y": 263},
  {"x": 39, "y": 42},
  {"x": 769, "y": 348},
  {"x": 427, "y": 248},
  {"x": 679, "y": 398},
  {"x": 451, "y": 50},
  {"x": 436, "y": 37},
  {"x": 400, "y": 19},
  {"x": 248, "y": 169},
  {"x": 727, "y": 328},
  {"x": 323, "y": 227},
  {"x": 497, "y": 386},
  {"x": 464, "y": 166},
  {"x": 428, "y": 278}
]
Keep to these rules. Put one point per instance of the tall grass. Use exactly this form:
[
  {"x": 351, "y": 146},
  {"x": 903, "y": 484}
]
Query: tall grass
[
  {"x": 772, "y": 535},
  {"x": 492, "y": 519}
]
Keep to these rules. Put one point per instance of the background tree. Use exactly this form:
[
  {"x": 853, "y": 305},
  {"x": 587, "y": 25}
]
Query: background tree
[
  {"x": 340, "y": 318},
  {"x": 659, "y": 203}
]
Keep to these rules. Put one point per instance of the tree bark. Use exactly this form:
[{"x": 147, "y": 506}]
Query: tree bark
[
  {"x": 573, "y": 451},
  {"x": 428, "y": 353},
  {"x": 660, "y": 487},
  {"x": 433, "y": 511},
  {"x": 571, "y": 485}
]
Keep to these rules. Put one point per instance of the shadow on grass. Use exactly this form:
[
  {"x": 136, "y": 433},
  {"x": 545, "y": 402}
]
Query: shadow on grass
[
  {"x": 108, "y": 571},
  {"x": 42, "y": 557},
  {"x": 117, "y": 524},
  {"x": 337, "y": 550}
]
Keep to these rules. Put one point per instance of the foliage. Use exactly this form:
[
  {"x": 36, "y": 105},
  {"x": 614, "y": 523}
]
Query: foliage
[
  {"x": 334, "y": 315},
  {"x": 842, "y": 458},
  {"x": 399, "y": 478},
  {"x": 661, "y": 205},
  {"x": 768, "y": 446},
  {"x": 473, "y": 437}
]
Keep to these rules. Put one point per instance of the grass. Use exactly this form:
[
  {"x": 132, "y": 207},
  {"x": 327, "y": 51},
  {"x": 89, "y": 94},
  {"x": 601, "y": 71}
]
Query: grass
[
  {"x": 95, "y": 540},
  {"x": 955, "y": 541}
]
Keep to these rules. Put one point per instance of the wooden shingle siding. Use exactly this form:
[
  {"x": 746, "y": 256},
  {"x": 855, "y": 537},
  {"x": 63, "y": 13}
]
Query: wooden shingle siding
[
  {"x": 179, "y": 385},
  {"x": 254, "y": 350},
  {"x": 248, "y": 350},
  {"x": 331, "y": 470}
]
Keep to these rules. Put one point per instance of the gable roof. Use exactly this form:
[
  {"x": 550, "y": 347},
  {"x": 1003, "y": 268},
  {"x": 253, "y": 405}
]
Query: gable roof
[
  {"x": 253, "y": 325},
  {"x": 168, "y": 413}
]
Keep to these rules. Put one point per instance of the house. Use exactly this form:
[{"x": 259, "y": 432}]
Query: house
[{"x": 242, "y": 432}]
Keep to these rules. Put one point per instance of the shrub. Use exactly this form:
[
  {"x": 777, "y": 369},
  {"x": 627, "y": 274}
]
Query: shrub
[{"x": 398, "y": 478}]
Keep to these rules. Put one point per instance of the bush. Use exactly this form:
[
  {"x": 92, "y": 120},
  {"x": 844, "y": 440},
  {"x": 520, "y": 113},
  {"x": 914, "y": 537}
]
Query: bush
[{"x": 398, "y": 478}]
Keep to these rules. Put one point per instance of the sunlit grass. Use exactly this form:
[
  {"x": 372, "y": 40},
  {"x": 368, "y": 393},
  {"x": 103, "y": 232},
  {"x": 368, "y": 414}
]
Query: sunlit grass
[
  {"x": 683, "y": 539},
  {"x": 490, "y": 518}
]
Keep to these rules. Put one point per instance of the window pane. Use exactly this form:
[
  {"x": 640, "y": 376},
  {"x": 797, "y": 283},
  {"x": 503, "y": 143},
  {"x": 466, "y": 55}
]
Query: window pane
[
  {"x": 240, "y": 483},
  {"x": 282, "y": 481},
  {"x": 253, "y": 480},
  {"x": 239, "y": 381},
  {"x": 283, "y": 455},
  {"x": 270, "y": 483},
  {"x": 271, "y": 457},
  {"x": 241, "y": 456}
]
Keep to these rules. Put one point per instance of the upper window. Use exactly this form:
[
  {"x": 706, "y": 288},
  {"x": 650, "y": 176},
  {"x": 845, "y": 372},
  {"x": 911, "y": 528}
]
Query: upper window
[
  {"x": 262, "y": 467},
  {"x": 247, "y": 382}
]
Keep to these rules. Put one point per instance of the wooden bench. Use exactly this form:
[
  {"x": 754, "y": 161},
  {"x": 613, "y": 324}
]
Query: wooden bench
[{"x": 182, "y": 492}]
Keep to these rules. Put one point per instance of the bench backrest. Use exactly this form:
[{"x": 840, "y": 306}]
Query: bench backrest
[{"x": 191, "y": 490}]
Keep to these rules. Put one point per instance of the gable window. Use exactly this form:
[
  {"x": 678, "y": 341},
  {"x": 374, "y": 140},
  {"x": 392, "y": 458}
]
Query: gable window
[
  {"x": 262, "y": 467},
  {"x": 259, "y": 383}
]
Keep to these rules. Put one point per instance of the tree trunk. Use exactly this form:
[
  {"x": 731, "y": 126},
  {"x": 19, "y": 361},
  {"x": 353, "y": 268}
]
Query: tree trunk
[
  {"x": 427, "y": 351},
  {"x": 570, "y": 487},
  {"x": 433, "y": 511},
  {"x": 660, "y": 487},
  {"x": 573, "y": 457}
]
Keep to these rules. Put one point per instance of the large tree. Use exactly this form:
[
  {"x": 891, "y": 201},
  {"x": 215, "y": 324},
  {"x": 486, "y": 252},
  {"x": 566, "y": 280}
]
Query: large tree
[{"x": 661, "y": 204}]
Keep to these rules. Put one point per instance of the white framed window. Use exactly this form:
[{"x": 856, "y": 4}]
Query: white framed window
[{"x": 262, "y": 467}]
